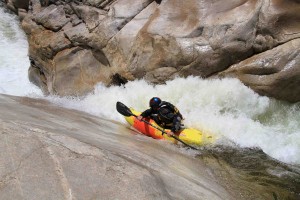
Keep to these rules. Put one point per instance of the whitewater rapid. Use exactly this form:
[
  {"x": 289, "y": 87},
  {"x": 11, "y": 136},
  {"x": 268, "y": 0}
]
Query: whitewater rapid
[{"x": 237, "y": 116}]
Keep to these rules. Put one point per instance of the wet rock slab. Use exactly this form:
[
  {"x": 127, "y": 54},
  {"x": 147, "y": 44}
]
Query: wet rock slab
[{"x": 49, "y": 152}]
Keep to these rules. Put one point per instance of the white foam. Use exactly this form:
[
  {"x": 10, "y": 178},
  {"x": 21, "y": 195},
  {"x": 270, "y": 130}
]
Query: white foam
[
  {"x": 224, "y": 107},
  {"x": 14, "y": 61}
]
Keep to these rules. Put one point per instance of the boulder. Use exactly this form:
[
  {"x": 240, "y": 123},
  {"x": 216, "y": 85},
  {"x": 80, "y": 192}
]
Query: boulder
[
  {"x": 273, "y": 73},
  {"x": 76, "y": 72},
  {"x": 75, "y": 20},
  {"x": 52, "y": 17},
  {"x": 50, "y": 43},
  {"x": 78, "y": 34},
  {"x": 90, "y": 15}
]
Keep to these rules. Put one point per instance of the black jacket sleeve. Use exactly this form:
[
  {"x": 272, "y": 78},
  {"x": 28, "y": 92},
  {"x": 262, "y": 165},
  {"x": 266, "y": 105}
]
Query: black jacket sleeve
[{"x": 146, "y": 113}]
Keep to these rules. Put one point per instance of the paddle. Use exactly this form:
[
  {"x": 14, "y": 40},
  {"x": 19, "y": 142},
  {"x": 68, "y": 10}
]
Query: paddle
[{"x": 124, "y": 110}]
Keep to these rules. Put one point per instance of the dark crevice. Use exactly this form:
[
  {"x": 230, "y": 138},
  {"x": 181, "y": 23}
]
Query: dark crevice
[{"x": 118, "y": 80}]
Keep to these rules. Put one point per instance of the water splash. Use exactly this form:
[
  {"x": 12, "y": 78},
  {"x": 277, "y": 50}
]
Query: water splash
[
  {"x": 226, "y": 108},
  {"x": 14, "y": 61}
]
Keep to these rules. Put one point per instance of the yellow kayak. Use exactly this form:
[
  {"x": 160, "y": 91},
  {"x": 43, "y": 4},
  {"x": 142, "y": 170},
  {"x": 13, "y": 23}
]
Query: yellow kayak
[{"x": 188, "y": 135}]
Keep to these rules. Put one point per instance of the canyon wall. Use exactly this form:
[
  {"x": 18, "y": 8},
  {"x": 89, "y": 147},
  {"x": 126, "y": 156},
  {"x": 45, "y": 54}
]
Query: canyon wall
[{"x": 73, "y": 45}]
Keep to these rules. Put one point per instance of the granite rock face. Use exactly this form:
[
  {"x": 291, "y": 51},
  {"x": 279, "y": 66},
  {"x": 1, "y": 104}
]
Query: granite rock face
[
  {"x": 159, "y": 40},
  {"x": 275, "y": 72}
]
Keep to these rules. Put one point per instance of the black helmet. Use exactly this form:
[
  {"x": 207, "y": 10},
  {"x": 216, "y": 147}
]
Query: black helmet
[{"x": 154, "y": 102}]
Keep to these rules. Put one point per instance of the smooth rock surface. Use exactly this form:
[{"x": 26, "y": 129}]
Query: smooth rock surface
[
  {"x": 49, "y": 152},
  {"x": 271, "y": 74}
]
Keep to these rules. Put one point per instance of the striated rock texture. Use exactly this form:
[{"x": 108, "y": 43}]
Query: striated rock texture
[{"x": 76, "y": 44}]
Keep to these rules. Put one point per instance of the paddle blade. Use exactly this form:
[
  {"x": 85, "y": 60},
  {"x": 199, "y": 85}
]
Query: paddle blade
[{"x": 123, "y": 110}]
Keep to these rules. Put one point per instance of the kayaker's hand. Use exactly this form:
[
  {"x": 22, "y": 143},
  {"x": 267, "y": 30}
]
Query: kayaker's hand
[
  {"x": 170, "y": 134},
  {"x": 140, "y": 117}
]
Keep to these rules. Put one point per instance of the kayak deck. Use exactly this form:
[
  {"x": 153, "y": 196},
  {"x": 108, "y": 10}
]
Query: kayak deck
[{"x": 188, "y": 135}]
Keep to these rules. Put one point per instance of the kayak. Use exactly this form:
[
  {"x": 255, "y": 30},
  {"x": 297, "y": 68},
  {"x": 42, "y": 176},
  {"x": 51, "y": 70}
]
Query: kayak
[{"x": 188, "y": 135}]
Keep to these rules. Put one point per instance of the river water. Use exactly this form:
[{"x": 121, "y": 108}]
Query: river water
[{"x": 258, "y": 138}]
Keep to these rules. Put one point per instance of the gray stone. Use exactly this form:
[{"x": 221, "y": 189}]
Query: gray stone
[
  {"x": 52, "y": 17},
  {"x": 78, "y": 34},
  {"x": 75, "y": 20},
  {"x": 273, "y": 73},
  {"x": 90, "y": 15},
  {"x": 161, "y": 74},
  {"x": 76, "y": 72}
]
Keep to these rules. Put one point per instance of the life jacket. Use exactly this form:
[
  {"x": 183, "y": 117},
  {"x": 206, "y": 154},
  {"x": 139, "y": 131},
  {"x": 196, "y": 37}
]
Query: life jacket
[{"x": 166, "y": 113}]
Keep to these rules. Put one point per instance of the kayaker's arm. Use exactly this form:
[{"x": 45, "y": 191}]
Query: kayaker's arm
[{"x": 144, "y": 114}]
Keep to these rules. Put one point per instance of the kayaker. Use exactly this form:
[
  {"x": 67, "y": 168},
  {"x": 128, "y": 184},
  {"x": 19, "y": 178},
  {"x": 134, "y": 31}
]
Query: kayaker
[{"x": 164, "y": 114}]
